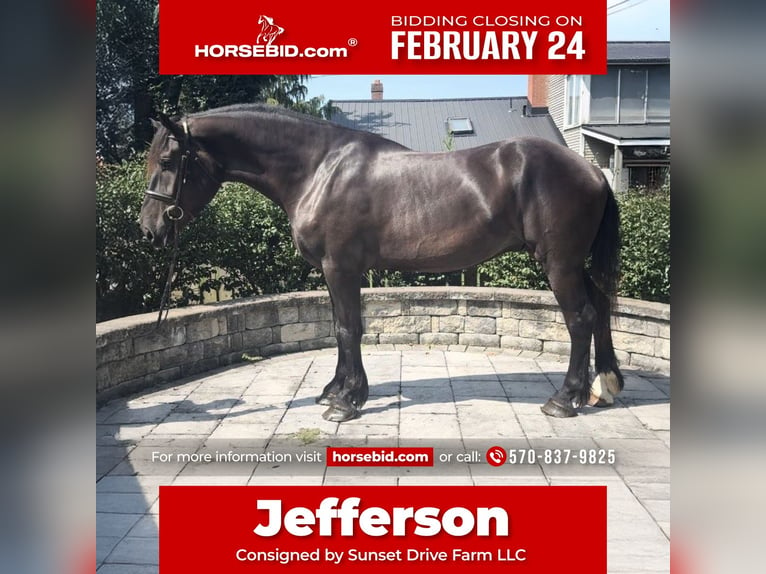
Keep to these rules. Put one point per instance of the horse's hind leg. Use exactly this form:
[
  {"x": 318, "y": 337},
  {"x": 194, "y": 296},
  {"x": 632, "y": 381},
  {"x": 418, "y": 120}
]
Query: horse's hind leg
[
  {"x": 579, "y": 314},
  {"x": 608, "y": 382},
  {"x": 347, "y": 392}
]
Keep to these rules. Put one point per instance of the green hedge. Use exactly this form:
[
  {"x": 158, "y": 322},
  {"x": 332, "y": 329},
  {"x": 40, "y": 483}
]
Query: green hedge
[
  {"x": 517, "y": 270},
  {"x": 128, "y": 271},
  {"x": 645, "y": 219},
  {"x": 241, "y": 244}
]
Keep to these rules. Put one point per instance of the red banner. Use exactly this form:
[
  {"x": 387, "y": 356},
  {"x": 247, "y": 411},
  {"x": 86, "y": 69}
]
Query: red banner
[
  {"x": 397, "y": 37},
  {"x": 379, "y": 456},
  {"x": 443, "y": 529}
]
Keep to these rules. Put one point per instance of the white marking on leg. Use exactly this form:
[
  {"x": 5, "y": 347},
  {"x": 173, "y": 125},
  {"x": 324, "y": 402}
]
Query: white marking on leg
[
  {"x": 611, "y": 382},
  {"x": 600, "y": 392}
]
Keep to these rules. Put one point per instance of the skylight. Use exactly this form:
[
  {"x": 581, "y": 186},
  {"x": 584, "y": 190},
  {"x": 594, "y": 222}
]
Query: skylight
[{"x": 459, "y": 126}]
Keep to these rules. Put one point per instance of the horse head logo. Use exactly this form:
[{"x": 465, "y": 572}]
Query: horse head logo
[{"x": 269, "y": 30}]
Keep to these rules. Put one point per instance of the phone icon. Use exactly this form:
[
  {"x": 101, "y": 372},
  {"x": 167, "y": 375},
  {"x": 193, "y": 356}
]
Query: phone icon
[{"x": 496, "y": 456}]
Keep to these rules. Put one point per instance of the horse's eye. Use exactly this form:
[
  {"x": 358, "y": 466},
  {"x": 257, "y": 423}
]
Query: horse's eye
[{"x": 165, "y": 163}]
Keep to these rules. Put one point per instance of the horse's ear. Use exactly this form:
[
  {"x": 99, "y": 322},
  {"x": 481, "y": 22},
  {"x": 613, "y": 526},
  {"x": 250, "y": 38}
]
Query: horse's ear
[
  {"x": 155, "y": 124},
  {"x": 172, "y": 127}
]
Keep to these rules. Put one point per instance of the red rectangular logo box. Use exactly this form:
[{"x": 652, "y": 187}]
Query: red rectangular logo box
[
  {"x": 270, "y": 529},
  {"x": 396, "y": 37},
  {"x": 380, "y": 456}
]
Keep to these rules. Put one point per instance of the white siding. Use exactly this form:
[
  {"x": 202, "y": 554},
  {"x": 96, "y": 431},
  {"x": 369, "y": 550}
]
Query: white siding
[
  {"x": 598, "y": 152},
  {"x": 556, "y": 86},
  {"x": 573, "y": 139},
  {"x": 556, "y": 108}
]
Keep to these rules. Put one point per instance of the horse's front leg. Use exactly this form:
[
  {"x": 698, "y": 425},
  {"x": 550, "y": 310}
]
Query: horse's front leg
[
  {"x": 347, "y": 392},
  {"x": 332, "y": 388}
]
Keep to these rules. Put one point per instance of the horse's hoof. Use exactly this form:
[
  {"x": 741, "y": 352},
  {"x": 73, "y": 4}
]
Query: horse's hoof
[
  {"x": 600, "y": 401},
  {"x": 340, "y": 414},
  {"x": 553, "y": 409},
  {"x": 325, "y": 399},
  {"x": 603, "y": 390}
]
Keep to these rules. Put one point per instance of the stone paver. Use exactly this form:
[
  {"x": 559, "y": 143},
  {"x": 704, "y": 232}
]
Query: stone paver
[{"x": 454, "y": 398}]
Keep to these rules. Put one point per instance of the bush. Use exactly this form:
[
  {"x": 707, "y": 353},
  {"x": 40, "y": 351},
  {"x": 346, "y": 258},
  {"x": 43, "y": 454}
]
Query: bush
[
  {"x": 254, "y": 245},
  {"x": 129, "y": 273},
  {"x": 645, "y": 224},
  {"x": 240, "y": 243},
  {"x": 375, "y": 278},
  {"x": 517, "y": 270}
]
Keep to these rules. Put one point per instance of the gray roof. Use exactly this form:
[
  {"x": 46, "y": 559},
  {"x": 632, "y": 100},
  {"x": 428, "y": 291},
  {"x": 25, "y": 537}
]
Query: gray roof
[
  {"x": 637, "y": 52},
  {"x": 632, "y": 132},
  {"x": 421, "y": 124}
]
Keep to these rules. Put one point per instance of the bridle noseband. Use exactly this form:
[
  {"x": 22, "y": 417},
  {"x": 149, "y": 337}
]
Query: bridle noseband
[{"x": 174, "y": 211}]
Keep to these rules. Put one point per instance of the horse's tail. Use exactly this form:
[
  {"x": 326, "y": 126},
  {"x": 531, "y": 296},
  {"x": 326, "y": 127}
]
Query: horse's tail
[
  {"x": 602, "y": 289},
  {"x": 605, "y": 250}
]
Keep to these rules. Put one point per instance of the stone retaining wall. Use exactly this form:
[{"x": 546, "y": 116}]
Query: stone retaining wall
[{"x": 131, "y": 355}]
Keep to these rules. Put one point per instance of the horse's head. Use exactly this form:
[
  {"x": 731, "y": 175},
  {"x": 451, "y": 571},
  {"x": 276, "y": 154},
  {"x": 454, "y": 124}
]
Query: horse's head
[{"x": 183, "y": 178}]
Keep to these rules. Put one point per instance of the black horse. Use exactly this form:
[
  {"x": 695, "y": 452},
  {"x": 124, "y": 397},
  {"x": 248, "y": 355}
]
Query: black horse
[{"x": 357, "y": 201}]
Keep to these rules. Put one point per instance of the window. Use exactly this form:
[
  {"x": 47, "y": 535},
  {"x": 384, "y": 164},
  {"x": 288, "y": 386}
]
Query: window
[
  {"x": 631, "y": 95},
  {"x": 573, "y": 100},
  {"x": 459, "y": 126},
  {"x": 658, "y": 100},
  {"x": 603, "y": 93}
]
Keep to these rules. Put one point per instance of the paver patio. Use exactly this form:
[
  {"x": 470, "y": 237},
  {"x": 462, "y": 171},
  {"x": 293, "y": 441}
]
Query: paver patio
[{"x": 453, "y": 399}]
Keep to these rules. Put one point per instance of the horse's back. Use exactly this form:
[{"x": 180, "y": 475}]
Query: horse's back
[{"x": 542, "y": 155}]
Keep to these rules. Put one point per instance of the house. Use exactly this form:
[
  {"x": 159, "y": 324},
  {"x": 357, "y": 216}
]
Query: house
[
  {"x": 444, "y": 124},
  {"x": 619, "y": 121}
]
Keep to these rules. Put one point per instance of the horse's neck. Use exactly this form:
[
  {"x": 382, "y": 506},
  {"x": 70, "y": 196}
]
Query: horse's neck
[{"x": 268, "y": 154}]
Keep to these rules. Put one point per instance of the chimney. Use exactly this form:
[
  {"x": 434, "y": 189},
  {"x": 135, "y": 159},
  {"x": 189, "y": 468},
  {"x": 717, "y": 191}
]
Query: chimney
[
  {"x": 376, "y": 90},
  {"x": 537, "y": 92}
]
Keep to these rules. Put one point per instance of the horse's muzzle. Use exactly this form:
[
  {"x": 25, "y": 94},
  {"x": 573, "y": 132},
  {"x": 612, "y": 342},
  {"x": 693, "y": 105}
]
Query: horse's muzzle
[{"x": 156, "y": 239}]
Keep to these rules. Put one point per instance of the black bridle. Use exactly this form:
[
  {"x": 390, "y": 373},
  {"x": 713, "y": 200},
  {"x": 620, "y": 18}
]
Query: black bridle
[{"x": 174, "y": 212}]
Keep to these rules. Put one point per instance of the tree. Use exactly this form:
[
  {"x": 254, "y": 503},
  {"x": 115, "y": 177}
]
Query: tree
[
  {"x": 126, "y": 56},
  {"x": 130, "y": 90}
]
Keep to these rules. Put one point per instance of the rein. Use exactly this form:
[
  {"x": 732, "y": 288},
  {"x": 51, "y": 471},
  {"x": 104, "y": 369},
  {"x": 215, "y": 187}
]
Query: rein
[
  {"x": 169, "y": 281},
  {"x": 174, "y": 212}
]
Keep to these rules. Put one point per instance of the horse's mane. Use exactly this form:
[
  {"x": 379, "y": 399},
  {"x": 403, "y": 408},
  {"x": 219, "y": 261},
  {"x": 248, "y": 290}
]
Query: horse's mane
[
  {"x": 261, "y": 108},
  {"x": 253, "y": 110}
]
